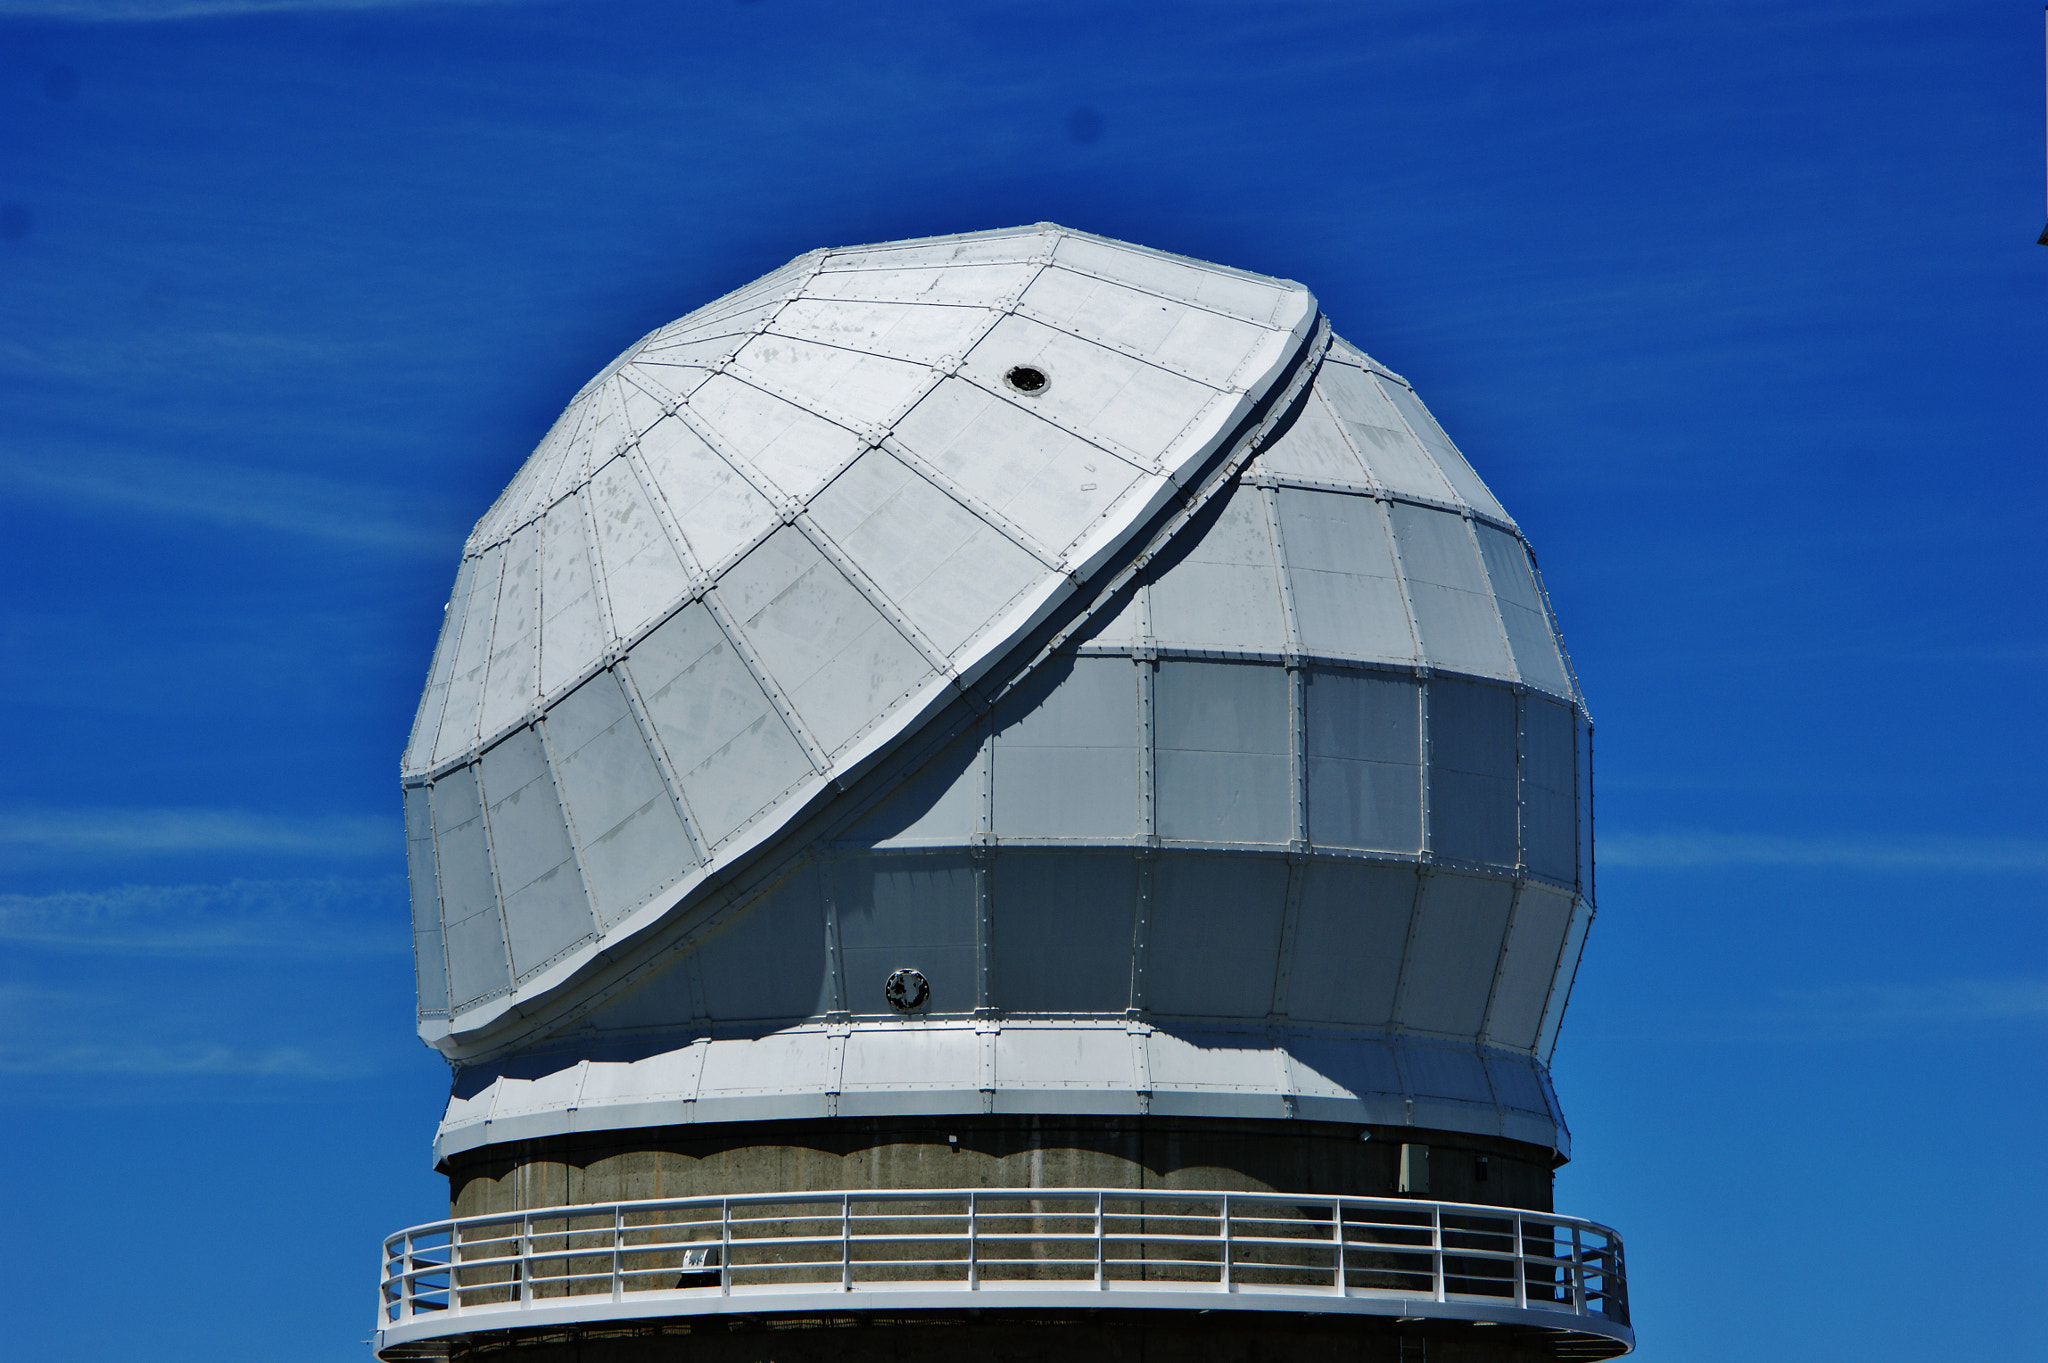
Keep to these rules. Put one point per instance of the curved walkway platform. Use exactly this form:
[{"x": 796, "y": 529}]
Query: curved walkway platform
[{"x": 1040, "y": 1249}]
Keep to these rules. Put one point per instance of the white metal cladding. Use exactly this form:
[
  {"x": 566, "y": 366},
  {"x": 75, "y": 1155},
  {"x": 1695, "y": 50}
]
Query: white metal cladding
[
  {"x": 1235, "y": 849},
  {"x": 773, "y": 537},
  {"x": 1024, "y": 1066},
  {"x": 1029, "y": 1248},
  {"x": 1292, "y": 820}
]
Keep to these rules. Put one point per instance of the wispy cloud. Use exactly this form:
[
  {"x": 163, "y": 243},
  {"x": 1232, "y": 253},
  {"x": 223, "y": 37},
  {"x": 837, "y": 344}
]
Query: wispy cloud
[
  {"x": 1867, "y": 1014},
  {"x": 119, "y": 1038},
  {"x": 158, "y": 831},
  {"x": 1701, "y": 849},
  {"x": 1863, "y": 1013},
  {"x": 242, "y": 498},
  {"x": 196, "y": 1060},
  {"x": 149, "y": 11},
  {"x": 292, "y": 918},
  {"x": 1866, "y": 1008}
]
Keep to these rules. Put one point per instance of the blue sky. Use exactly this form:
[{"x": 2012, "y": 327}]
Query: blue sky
[{"x": 1737, "y": 307}]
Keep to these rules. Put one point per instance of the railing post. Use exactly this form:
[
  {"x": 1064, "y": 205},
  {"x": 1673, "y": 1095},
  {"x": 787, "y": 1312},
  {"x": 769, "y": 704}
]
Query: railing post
[
  {"x": 724, "y": 1247},
  {"x": 1228, "y": 1247},
  {"x": 1337, "y": 1229},
  {"x": 973, "y": 1245},
  {"x": 1521, "y": 1264},
  {"x": 1616, "y": 1282},
  {"x": 404, "y": 1283},
  {"x": 618, "y": 1253},
  {"x": 846, "y": 1242},
  {"x": 521, "y": 1269},
  {"x": 1101, "y": 1249},
  {"x": 1436, "y": 1236},
  {"x": 1578, "y": 1273}
]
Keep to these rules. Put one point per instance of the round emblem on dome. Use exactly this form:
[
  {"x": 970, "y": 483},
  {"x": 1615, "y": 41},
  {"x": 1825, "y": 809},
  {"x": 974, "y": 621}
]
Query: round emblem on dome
[
  {"x": 906, "y": 989},
  {"x": 1028, "y": 379}
]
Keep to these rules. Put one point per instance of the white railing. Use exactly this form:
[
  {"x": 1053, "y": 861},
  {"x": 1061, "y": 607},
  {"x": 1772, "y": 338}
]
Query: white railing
[
  {"x": 1040, "y": 1246},
  {"x": 1035, "y": 1247}
]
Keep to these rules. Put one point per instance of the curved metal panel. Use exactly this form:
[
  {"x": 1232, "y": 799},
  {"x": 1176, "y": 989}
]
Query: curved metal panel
[
  {"x": 847, "y": 488},
  {"x": 1292, "y": 818}
]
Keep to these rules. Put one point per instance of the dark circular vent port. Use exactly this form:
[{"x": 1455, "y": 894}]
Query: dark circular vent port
[
  {"x": 906, "y": 989},
  {"x": 1028, "y": 379}
]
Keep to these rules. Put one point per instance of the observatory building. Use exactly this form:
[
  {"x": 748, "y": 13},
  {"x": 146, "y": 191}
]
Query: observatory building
[{"x": 1002, "y": 794}]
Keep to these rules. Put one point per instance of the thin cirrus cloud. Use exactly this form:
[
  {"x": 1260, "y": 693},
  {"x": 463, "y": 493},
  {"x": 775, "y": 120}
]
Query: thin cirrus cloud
[
  {"x": 266, "y": 918},
  {"x": 152, "y": 11},
  {"x": 101, "y": 1029},
  {"x": 297, "y": 504},
  {"x": 1701, "y": 849},
  {"x": 146, "y": 832},
  {"x": 124, "y": 1058},
  {"x": 1859, "y": 1013},
  {"x": 1864, "y": 1007}
]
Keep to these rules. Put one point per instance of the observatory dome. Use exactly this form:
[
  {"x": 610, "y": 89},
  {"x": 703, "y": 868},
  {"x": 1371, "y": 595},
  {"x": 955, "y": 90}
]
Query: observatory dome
[{"x": 1017, "y": 672}]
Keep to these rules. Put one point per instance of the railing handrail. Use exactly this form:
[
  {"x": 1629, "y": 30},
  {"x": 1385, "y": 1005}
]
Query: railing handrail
[
  {"x": 1348, "y": 1252},
  {"x": 1416, "y": 1206}
]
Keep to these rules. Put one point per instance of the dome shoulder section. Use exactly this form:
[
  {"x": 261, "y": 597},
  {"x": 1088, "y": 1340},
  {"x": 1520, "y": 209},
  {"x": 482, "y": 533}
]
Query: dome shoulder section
[{"x": 773, "y": 537}]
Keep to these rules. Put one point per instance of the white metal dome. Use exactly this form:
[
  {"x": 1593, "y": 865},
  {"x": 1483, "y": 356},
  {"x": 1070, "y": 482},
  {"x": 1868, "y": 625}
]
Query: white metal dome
[
  {"x": 790, "y": 498},
  {"x": 1073, "y": 624}
]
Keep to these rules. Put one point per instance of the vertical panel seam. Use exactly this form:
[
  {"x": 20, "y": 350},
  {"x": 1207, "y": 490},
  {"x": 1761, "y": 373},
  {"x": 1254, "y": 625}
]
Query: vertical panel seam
[
  {"x": 1290, "y": 931},
  {"x": 593, "y": 558},
  {"x": 693, "y": 984},
  {"x": 664, "y": 765},
  {"x": 1297, "y": 675},
  {"x": 1500, "y": 963},
  {"x": 483, "y": 690},
  {"x": 1587, "y": 872},
  {"x": 542, "y": 530},
  {"x": 1553, "y": 1022},
  {"x": 1386, "y": 508},
  {"x": 743, "y": 649},
  {"x": 1141, "y": 931},
  {"x": 440, "y": 905},
  {"x": 1461, "y": 501},
  {"x": 835, "y": 959},
  {"x": 1521, "y": 782},
  {"x": 483, "y": 819},
  {"x": 1372, "y": 477},
  {"x": 1556, "y": 634},
  {"x": 472, "y": 736},
  {"x": 695, "y": 1086},
  {"x": 453, "y": 644},
  {"x": 1397, "y": 1019},
  {"x": 547, "y": 762},
  {"x": 1426, "y": 774},
  {"x": 1148, "y": 747},
  {"x": 1507, "y": 644}
]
